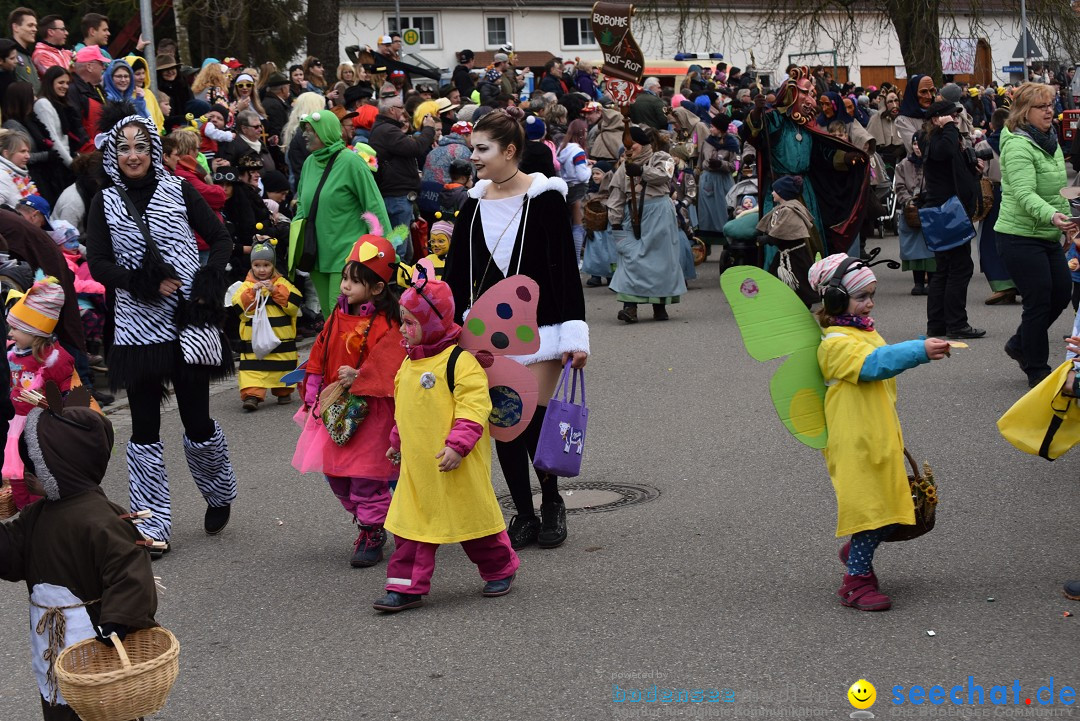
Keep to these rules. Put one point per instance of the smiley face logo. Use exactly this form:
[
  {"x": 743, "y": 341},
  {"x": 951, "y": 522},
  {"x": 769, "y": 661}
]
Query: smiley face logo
[{"x": 862, "y": 694}]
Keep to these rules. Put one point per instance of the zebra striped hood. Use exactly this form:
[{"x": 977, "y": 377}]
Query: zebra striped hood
[{"x": 106, "y": 142}]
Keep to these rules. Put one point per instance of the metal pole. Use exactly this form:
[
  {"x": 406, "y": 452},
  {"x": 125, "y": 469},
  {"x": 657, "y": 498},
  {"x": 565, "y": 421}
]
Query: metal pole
[
  {"x": 1024, "y": 36},
  {"x": 397, "y": 14},
  {"x": 146, "y": 13}
]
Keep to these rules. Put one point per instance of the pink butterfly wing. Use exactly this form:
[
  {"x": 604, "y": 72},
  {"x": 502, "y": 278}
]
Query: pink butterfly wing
[
  {"x": 503, "y": 319},
  {"x": 503, "y": 322},
  {"x": 514, "y": 395}
]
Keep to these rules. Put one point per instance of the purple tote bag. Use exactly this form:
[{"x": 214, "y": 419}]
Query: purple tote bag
[{"x": 562, "y": 437}]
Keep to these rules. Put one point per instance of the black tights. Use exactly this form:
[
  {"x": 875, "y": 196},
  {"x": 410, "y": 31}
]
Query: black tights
[
  {"x": 191, "y": 388},
  {"x": 514, "y": 459}
]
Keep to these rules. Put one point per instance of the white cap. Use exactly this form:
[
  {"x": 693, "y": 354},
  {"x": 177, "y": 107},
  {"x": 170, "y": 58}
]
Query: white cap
[{"x": 385, "y": 40}]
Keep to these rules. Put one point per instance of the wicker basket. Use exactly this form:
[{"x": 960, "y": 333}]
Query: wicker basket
[
  {"x": 101, "y": 684},
  {"x": 924, "y": 495},
  {"x": 699, "y": 249},
  {"x": 7, "y": 502},
  {"x": 595, "y": 215}
]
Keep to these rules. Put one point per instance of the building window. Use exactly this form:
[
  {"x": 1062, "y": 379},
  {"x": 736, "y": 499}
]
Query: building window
[
  {"x": 577, "y": 31},
  {"x": 423, "y": 24},
  {"x": 498, "y": 30}
]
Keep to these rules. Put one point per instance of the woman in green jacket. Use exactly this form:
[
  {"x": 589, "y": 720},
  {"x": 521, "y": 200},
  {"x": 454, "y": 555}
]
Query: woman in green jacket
[{"x": 1033, "y": 217}]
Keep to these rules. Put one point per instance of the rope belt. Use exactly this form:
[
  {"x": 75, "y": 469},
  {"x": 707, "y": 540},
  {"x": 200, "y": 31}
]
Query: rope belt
[{"x": 55, "y": 623}]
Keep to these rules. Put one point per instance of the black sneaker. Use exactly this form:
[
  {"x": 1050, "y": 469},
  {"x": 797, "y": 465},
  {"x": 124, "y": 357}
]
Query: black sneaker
[
  {"x": 523, "y": 531},
  {"x": 553, "y": 526},
  {"x": 393, "y": 602},
  {"x": 216, "y": 518},
  {"x": 368, "y": 549}
]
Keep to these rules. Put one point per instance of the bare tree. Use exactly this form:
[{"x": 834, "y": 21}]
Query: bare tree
[
  {"x": 323, "y": 31},
  {"x": 918, "y": 25}
]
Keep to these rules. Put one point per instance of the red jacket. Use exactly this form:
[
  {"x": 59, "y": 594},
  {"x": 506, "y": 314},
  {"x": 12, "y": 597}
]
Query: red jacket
[{"x": 189, "y": 170}]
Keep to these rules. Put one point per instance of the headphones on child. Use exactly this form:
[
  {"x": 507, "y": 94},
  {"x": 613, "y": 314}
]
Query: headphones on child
[{"x": 834, "y": 296}]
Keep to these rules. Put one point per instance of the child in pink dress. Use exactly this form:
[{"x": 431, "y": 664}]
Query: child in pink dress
[
  {"x": 35, "y": 359},
  {"x": 359, "y": 349}
]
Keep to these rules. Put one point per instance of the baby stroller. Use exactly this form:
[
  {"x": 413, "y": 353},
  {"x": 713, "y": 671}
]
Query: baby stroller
[{"x": 884, "y": 195}]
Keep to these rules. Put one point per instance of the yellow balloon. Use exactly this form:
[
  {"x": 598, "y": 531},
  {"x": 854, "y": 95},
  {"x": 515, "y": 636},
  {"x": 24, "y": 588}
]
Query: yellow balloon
[{"x": 862, "y": 694}]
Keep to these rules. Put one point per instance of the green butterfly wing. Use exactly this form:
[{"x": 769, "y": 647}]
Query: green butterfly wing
[{"x": 774, "y": 323}]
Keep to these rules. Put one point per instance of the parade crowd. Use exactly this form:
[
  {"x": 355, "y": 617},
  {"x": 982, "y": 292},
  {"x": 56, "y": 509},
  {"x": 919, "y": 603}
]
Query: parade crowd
[{"x": 162, "y": 239}]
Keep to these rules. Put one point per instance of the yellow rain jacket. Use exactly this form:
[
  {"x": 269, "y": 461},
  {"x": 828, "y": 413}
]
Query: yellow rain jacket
[
  {"x": 429, "y": 505},
  {"x": 865, "y": 452}
]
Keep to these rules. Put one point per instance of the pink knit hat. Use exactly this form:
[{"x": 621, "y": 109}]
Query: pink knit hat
[
  {"x": 858, "y": 276},
  {"x": 37, "y": 312},
  {"x": 432, "y": 302}
]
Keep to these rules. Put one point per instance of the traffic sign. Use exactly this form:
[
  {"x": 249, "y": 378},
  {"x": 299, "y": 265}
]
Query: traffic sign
[
  {"x": 410, "y": 36},
  {"x": 1012, "y": 68}
]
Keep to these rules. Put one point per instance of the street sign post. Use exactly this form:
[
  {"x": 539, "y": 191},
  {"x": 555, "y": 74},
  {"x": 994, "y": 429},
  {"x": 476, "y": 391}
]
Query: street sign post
[{"x": 410, "y": 37}]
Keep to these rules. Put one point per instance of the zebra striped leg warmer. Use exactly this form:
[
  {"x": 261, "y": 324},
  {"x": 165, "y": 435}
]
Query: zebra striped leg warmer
[
  {"x": 148, "y": 482},
  {"x": 211, "y": 468},
  {"x": 578, "y": 232}
]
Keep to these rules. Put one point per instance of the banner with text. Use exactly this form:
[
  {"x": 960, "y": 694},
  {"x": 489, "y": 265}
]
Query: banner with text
[{"x": 611, "y": 27}]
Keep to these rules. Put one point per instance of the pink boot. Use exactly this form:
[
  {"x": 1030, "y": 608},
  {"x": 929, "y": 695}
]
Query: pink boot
[{"x": 861, "y": 592}]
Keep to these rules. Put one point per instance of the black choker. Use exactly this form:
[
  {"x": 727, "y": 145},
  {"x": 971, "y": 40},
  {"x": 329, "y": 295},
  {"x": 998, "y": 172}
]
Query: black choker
[{"x": 499, "y": 184}]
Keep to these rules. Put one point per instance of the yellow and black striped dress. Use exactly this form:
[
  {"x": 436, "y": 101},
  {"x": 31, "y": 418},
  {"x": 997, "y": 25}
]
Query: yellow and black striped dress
[{"x": 282, "y": 310}]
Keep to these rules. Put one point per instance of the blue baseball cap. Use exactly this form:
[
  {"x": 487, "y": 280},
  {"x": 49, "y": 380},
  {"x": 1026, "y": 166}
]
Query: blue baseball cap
[{"x": 39, "y": 204}]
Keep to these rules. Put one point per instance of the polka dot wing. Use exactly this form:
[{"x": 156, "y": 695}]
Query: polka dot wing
[{"x": 502, "y": 323}]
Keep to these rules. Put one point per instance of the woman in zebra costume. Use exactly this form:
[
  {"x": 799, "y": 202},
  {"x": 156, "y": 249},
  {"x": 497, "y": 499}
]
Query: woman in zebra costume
[{"x": 155, "y": 290}]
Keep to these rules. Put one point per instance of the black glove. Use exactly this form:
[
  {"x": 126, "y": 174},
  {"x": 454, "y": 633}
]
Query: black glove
[
  {"x": 107, "y": 629},
  {"x": 634, "y": 170}
]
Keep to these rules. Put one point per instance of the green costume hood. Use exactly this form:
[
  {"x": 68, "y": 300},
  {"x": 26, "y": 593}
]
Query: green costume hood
[{"x": 328, "y": 128}]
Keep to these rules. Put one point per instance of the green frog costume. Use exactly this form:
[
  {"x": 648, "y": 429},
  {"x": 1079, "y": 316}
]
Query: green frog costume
[{"x": 349, "y": 191}]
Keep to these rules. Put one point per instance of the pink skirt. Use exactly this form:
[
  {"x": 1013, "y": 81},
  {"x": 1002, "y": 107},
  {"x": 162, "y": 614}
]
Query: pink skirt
[{"x": 364, "y": 456}]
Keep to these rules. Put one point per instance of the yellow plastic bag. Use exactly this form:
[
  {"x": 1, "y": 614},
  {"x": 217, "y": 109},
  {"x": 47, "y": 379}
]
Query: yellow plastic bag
[{"x": 1044, "y": 422}]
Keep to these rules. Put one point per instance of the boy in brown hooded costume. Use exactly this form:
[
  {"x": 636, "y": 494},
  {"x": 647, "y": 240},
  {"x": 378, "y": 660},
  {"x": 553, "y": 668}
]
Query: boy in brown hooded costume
[{"x": 84, "y": 565}]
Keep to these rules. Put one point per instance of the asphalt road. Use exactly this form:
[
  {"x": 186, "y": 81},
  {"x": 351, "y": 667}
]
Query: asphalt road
[{"x": 726, "y": 580}]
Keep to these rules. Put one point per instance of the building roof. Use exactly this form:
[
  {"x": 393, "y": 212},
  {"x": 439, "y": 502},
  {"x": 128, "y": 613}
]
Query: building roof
[{"x": 523, "y": 59}]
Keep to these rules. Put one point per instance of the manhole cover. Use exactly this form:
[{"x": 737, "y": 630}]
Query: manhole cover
[{"x": 593, "y": 496}]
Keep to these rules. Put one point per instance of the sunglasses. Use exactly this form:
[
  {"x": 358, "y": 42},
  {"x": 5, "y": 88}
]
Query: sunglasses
[
  {"x": 245, "y": 85},
  {"x": 316, "y": 64}
]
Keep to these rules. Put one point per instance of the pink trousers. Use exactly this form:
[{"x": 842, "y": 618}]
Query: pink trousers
[
  {"x": 413, "y": 563},
  {"x": 367, "y": 500}
]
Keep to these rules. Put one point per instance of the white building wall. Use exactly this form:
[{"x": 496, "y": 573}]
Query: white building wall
[{"x": 735, "y": 34}]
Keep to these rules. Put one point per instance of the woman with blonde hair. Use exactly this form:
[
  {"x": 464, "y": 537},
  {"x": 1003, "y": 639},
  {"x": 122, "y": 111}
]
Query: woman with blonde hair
[
  {"x": 1030, "y": 224},
  {"x": 296, "y": 148},
  {"x": 15, "y": 182},
  {"x": 211, "y": 84}
]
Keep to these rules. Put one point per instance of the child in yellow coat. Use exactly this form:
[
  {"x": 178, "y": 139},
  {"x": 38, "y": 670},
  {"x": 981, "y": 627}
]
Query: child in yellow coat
[
  {"x": 444, "y": 492},
  {"x": 865, "y": 451},
  {"x": 259, "y": 374}
]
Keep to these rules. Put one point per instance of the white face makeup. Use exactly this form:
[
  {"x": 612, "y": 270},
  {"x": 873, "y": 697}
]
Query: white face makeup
[
  {"x": 133, "y": 151},
  {"x": 492, "y": 162}
]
